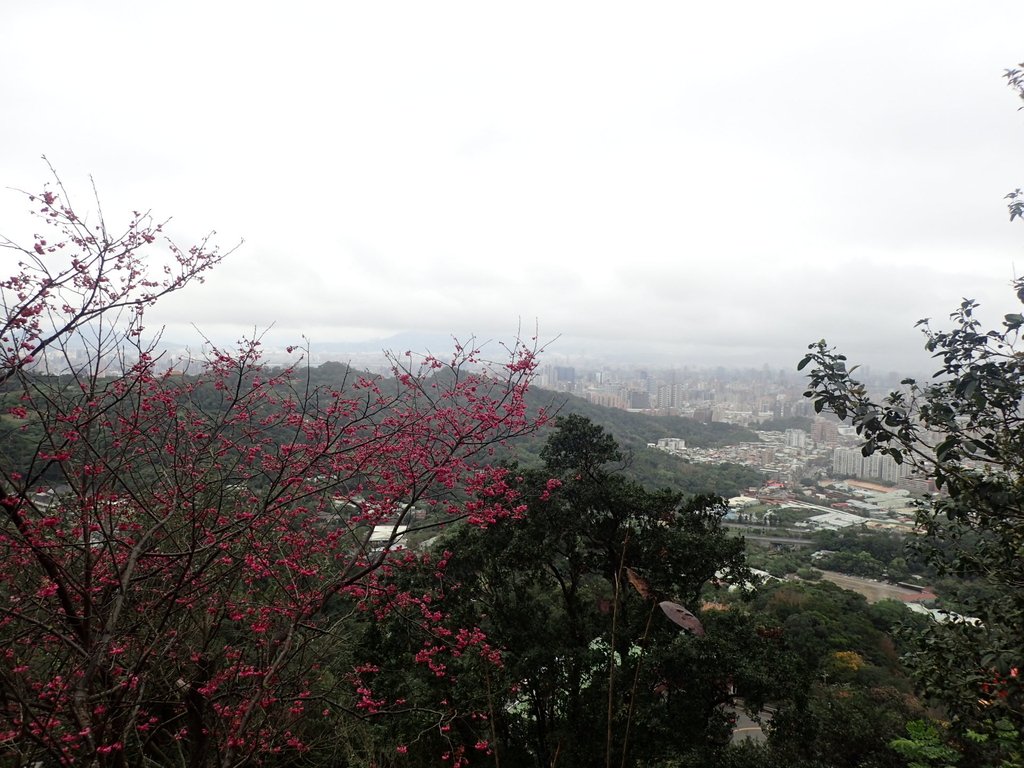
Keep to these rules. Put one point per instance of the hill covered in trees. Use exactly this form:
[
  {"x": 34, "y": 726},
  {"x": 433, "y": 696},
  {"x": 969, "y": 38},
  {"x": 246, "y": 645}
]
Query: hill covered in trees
[{"x": 633, "y": 431}]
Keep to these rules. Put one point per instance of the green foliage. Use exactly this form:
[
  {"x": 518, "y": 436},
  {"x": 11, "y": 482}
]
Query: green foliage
[
  {"x": 591, "y": 665},
  {"x": 845, "y": 696},
  {"x": 656, "y": 469},
  {"x": 965, "y": 431},
  {"x": 820, "y": 619},
  {"x": 856, "y": 564},
  {"x": 1005, "y": 740},
  {"x": 925, "y": 748},
  {"x": 883, "y": 546},
  {"x": 579, "y": 445},
  {"x": 844, "y": 727},
  {"x": 779, "y": 563},
  {"x": 631, "y": 431},
  {"x": 649, "y": 467},
  {"x": 889, "y": 615},
  {"x": 789, "y": 516}
]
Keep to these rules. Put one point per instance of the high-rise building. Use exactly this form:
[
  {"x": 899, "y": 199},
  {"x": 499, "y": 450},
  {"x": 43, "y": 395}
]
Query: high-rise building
[
  {"x": 849, "y": 462},
  {"x": 796, "y": 438}
]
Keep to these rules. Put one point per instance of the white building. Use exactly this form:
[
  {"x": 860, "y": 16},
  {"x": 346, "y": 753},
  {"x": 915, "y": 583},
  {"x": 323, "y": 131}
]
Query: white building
[
  {"x": 877, "y": 466},
  {"x": 833, "y": 521},
  {"x": 382, "y": 534},
  {"x": 796, "y": 438},
  {"x": 673, "y": 445}
]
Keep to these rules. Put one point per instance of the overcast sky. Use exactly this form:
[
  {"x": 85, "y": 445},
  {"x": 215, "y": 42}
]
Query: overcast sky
[{"x": 724, "y": 182}]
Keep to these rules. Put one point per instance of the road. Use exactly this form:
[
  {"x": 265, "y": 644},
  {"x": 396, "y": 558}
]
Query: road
[
  {"x": 876, "y": 590},
  {"x": 746, "y": 729}
]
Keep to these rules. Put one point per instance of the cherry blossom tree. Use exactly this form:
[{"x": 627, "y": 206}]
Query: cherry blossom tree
[{"x": 183, "y": 550}]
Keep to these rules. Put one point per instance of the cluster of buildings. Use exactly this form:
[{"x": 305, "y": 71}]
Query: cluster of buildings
[
  {"x": 750, "y": 398},
  {"x": 828, "y": 506},
  {"x": 745, "y": 397},
  {"x": 795, "y": 455}
]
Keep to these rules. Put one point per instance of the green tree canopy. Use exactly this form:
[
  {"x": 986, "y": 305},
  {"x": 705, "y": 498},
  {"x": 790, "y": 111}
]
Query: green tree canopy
[
  {"x": 964, "y": 430},
  {"x": 593, "y": 668}
]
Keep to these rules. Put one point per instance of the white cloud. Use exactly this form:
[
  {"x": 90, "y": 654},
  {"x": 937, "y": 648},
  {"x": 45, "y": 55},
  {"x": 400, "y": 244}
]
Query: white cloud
[{"x": 744, "y": 175}]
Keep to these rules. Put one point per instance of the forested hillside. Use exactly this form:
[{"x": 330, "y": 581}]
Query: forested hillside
[{"x": 633, "y": 431}]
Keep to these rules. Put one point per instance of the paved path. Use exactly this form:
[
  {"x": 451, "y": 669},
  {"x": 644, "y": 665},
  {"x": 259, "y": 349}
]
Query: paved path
[{"x": 747, "y": 729}]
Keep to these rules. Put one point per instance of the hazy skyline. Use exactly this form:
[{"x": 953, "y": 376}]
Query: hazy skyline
[{"x": 718, "y": 184}]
